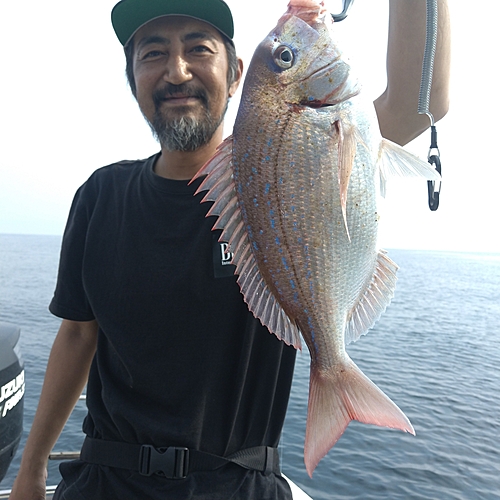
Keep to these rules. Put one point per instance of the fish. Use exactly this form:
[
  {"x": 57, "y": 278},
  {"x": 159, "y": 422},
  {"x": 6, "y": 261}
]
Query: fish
[{"x": 295, "y": 190}]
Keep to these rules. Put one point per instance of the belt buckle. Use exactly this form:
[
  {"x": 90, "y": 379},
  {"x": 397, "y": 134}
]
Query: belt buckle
[{"x": 173, "y": 461}]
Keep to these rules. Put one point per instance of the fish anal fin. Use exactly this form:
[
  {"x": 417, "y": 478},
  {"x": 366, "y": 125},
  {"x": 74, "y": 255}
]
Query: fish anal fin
[
  {"x": 374, "y": 299},
  {"x": 338, "y": 396}
]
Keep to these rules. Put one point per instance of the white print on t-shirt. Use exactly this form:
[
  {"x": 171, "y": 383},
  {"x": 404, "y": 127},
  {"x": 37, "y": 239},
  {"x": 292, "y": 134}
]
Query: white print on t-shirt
[{"x": 226, "y": 256}]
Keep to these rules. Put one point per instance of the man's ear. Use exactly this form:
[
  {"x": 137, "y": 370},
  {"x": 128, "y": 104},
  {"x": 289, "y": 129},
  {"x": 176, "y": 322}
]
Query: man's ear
[{"x": 239, "y": 74}]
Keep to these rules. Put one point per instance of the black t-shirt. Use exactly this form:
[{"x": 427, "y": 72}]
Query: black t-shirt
[{"x": 180, "y": 359}]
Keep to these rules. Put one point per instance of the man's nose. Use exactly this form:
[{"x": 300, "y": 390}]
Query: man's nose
[{"x": 177, "y": 70}]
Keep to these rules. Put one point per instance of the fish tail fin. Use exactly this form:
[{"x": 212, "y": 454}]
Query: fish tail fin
[{"x": 336, "y": 397}]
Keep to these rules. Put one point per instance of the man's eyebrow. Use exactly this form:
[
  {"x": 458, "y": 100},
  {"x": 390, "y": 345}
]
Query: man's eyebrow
[
  {"x": 195, "y": 35},
  {"x": 199, "y": 35},
  {"x": 148, "y": 40}
]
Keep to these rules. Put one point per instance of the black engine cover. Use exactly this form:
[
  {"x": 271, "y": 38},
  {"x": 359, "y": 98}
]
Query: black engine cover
[{"x": 11, "y": 395}]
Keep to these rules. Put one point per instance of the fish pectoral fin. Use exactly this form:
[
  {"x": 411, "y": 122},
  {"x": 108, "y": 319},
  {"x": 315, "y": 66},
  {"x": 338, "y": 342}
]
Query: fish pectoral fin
[
  {"x": 222, "y": 191},
  {"x": 395, "y": 161},
  {"x": 337, "y": 396},
  {"x": 373, "y": 300},
  {"x": 346, "y": 154}
]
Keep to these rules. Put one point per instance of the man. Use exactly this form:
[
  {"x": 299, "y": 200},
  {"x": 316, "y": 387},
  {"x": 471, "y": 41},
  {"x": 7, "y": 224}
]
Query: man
[{"x": 153, "y": 319}]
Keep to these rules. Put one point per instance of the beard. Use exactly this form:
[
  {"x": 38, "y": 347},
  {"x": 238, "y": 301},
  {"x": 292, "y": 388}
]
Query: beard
[{"x": 184, "y": 133}]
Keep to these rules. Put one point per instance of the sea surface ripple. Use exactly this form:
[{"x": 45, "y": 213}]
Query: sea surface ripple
[{"x": 435, "y": 352}]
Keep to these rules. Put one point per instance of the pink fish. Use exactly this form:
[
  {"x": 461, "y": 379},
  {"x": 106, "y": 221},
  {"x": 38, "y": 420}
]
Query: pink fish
[{"x": 295, "y": 189}]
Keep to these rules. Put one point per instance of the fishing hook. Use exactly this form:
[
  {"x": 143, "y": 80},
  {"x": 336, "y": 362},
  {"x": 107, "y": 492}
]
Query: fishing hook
[{"x": 345, "y": 11}]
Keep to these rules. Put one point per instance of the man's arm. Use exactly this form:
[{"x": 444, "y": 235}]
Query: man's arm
[
  {"x": 65, "y": 378},
  {"x": 397, "y": 106}
]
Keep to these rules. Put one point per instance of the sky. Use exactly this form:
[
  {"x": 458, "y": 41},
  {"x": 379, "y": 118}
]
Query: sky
[{"x": 66, "y": 110}]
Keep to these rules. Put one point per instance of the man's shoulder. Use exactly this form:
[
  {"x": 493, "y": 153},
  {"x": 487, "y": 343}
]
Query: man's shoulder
[
  {"x": 113, "y": 178},
  {"x": 123, "y": 168}
]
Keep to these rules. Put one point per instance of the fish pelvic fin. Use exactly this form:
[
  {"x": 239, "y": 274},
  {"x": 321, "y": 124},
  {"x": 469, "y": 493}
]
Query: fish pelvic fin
[
  {"x": 346, "y": 153},
  {"x": 336, "y": 397},
  {"x": 395, "y": 161},
  {"x": 374, "y": 299},
  {"x": 221, "y": 190}
]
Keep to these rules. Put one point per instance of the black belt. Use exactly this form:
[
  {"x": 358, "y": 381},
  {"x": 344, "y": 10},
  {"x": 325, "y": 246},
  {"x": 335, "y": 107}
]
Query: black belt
[{"x": 174, "y": 462}]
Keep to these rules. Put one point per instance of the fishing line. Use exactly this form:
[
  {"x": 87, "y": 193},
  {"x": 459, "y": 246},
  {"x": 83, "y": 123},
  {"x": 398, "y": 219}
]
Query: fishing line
[
  {"x": 428, "y": 63},
  {"x": 433, "y": 187}
]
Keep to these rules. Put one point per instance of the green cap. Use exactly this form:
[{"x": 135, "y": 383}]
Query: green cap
[{"x": 129, "y": 15}]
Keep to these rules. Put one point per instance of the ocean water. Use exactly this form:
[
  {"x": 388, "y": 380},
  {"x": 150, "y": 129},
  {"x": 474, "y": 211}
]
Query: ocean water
[{"x": 435, "y": 352}]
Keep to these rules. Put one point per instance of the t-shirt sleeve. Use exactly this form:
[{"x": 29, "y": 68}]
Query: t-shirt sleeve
[{"x": 70, "y": 300}]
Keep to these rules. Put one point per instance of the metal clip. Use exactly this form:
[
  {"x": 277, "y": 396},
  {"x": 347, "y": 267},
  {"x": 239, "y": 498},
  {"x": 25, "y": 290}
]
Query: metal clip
[
  {"x": 434, "y": 187},
  {"x": 345, "y": 11}
]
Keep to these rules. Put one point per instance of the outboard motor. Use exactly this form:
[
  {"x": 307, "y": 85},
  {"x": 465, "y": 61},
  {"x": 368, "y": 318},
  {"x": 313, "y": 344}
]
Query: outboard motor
[{"x": 11, "y": 394}]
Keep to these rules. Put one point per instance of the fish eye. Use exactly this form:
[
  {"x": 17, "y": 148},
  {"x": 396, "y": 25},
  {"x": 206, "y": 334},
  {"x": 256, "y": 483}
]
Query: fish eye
[{"x": 283, "y": 56}]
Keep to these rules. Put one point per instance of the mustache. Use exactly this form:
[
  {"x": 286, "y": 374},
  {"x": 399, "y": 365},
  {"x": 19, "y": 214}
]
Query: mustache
[{"x": 184, "y": 89}]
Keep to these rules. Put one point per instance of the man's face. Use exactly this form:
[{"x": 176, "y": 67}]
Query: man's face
[{"x": 180, "y": 69}]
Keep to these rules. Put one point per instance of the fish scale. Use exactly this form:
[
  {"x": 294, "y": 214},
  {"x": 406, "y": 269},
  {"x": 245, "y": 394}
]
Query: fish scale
[
  {"x": 295, "y": 190},
  {"x": 284, "y": 219}
]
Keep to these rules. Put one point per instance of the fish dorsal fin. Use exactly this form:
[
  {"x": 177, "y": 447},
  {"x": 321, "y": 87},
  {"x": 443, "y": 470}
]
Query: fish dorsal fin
[
  {"x": 374, "y": 300},
  {"x": 264, "y": 305},
  {"x": 395, "y": 161},
  {"x": 222, "y": 157},
  {"x": 259, "y": 298}
]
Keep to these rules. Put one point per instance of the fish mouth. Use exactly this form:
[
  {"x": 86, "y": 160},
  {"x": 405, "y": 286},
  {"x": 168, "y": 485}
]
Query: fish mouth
[
  {"x": 328, "y": 85},
  {"x": 316, "y": 104},
  {"x": 329, "y": 101}
]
